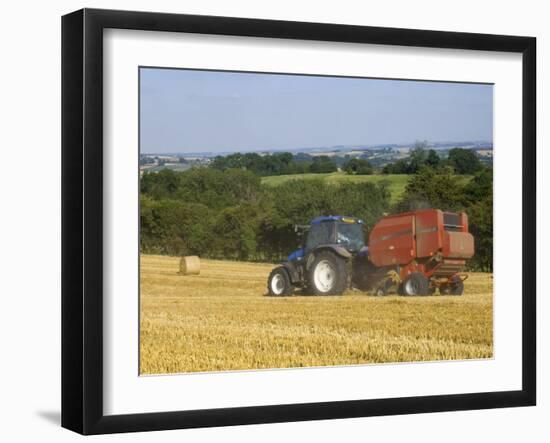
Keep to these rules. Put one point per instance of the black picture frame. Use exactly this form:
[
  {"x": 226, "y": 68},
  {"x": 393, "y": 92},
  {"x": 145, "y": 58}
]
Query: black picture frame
[{"x": 82, "y": 215}]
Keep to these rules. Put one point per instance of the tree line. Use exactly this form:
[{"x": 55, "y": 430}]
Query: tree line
[
  {"x": 461, "y": 161},
  {"x": 229, "y": 214},
  {"x": 282, "y": 163}
]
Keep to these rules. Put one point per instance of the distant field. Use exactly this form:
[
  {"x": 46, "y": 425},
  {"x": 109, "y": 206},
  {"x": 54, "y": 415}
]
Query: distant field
[
  {"x": 396, "y": 182},
  {"x": 222, "y": 320},
  {"x": 177, "y": 167}
]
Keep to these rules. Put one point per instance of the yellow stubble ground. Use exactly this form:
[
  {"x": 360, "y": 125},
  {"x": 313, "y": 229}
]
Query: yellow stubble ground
[{"x": 222, "y": 320}]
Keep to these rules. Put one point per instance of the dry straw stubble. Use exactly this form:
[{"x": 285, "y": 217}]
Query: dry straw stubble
[{"x": 222, "y": 320}]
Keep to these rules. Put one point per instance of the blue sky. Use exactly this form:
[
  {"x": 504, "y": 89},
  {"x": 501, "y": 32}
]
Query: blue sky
[{"x": 191, "y": 111}]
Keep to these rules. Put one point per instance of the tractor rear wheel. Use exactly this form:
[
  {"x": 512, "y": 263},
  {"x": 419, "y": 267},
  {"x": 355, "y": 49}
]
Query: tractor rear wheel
[
  {"x": 328, "y": 274},
  {"x": 416, "y": 284},
  {"x": 278, "y": 283}
]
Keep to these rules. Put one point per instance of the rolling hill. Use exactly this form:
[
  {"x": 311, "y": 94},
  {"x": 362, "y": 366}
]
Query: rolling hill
[{"x": 396, "y": 182}]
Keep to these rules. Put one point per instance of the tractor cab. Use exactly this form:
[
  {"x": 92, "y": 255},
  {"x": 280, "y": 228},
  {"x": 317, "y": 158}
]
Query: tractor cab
[
  {"x": 334, "y": 230},
  {"x": 320, "y": 266},
  {"x": 346, "y": 232}
]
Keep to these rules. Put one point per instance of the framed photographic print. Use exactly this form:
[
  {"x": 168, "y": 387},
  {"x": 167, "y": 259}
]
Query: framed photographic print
[{"x": 268, "y": 221}]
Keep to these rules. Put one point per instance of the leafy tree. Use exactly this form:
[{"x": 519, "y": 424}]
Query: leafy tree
[
  {"x": 262, "y": 165},
  {"x": 480, "y": 218},
  {"x": 358, "y": 166},
  {"x": 464, "y": 161},
  {"x": 480, "y": 186},
  {"x": 479, "y": 195},
  {"x": 418, "y": 157},
  {"x": 322, "y": 164},
  {"x": 432, "y": 159},
  {"x": 432, "y": 189},
  {"x": 160, "y": 184},
  {"x": 398, "y": 167},
  {"x": 234, "y": 232},
  {"x": 298, "y": 201},
  {"x": 211, "y": 187},
  {"x": 172, "y": 227}
]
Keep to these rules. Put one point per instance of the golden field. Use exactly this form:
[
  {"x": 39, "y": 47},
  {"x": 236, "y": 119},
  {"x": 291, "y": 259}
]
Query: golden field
[{"x": 222, "y": 320}]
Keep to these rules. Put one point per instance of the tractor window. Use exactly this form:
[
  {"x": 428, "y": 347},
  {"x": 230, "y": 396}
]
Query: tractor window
[
  {"x": 319, "y": 234},
  {"x": 350, "y": 236}
]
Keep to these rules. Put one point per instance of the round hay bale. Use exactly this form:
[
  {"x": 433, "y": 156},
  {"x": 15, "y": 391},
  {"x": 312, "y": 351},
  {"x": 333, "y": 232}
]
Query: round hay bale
[{"x": 190, "y": 265}]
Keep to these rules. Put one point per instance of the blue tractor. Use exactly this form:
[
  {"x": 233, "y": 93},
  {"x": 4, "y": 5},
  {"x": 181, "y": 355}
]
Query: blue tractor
[{"x": 323, "y": 264}]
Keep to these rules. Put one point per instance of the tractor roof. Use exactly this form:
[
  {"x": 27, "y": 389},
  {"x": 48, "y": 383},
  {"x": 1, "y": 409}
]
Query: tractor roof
[{"x": 329, "y": 218}]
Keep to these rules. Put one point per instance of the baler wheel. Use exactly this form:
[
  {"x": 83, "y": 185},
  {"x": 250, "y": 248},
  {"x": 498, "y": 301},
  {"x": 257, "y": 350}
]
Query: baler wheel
[
  {"x": 455, "y": 287},
  {"x": 416, "y": 284}
]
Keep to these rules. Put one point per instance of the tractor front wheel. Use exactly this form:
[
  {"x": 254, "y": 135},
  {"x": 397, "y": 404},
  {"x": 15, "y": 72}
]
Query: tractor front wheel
[
  {"x": 416, "y": 284},
  {"x": 278, "y": 283},
  {"x": 328, "y": 274}
]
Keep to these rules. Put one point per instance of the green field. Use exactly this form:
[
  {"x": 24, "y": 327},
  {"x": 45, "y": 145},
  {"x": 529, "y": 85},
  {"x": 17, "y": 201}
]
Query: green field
[{"x": 396, "y": 182}]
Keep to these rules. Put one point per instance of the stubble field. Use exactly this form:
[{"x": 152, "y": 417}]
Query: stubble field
[{"x": 222, "y": 320}]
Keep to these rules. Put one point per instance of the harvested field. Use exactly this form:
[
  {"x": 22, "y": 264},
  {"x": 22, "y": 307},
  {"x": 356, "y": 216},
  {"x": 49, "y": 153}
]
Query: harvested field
[{"x": 222, "y": 320}]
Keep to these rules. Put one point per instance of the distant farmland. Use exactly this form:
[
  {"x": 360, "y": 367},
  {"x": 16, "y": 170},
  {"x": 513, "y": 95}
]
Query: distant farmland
[{"x": 396, "y": 182}]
